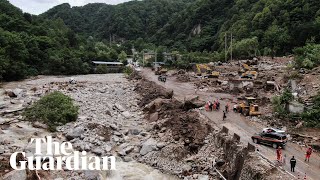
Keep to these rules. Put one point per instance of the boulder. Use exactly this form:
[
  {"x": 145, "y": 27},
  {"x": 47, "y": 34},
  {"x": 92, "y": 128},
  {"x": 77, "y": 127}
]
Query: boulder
[
  {"x": 38, "y": 124},
  {"x": 135, "y": 131},
  {"x": 127, "y": 159},
  {"x": 161, "y": 145},
  {"x": 129, "y": 149},
  {"x": 17, "y": 92},
  {"x": 108, "y": 148},
  {"x": 114, "y": 127},
  {"x": 154, "y": 117},
  {"x": 143, "y": 133},
  {"x": 148, "y": 146},
  {"x": 186, "y": 168},
  {"x": 203, "y": 177},
  {"x": 119, "y": 107},
  {"x": 13, "y": 109},
  {"x": 125, "y": 132},
  {"x": 75, "y": 133},
  {"x": 15, "y": 174},
  {"x": 10, "y": 93},
  {"x": 127, "y": 114},
  {"x": 2, "y": 92},
  {"x": 117, "y": 133},
  {"x": 91, "y": 174},
  {"x": 220, "y": 162},
  {"x": 102, "y": 91},
  {"x": 115, "y": 138},
  {"x": 192, "y": 102},
  {"x": 156, "y": 104},
  {"x": 122, "y": 152},
  {"x": 98, "y": 151},
  {"x": 3, "y": 105}
]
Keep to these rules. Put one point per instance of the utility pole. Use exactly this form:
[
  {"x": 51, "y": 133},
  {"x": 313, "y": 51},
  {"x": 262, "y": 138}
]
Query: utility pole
[
  {"x": 143, "y": 59},
  {"x": 231, "y": 46},
  {"x": 110, "y": 39},
  {"x": 109, "y": 36},
  {"x": 225, "y": 47}
]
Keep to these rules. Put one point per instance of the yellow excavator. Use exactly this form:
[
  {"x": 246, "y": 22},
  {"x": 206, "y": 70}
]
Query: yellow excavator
[
  {"x": 160, "y": 70},
  {"x": 206, "y": 71},
  {"x": 247, "y": 72},
  {"x": 248, "y": 108}
]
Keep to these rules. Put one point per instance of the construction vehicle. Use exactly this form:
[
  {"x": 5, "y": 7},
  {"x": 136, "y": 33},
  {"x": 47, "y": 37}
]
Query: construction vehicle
[
  {"x": 247, "y": 72},
  {"x": 249, "y": 75},
  {"x": 213, "y": 74},
  {"x": 206, "y": 71},
  {"x": 248, "y": 108},
  {"x": 160, "y": 70}
]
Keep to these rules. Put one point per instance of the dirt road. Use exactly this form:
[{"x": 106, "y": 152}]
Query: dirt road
[{"x": 242, "y": 126}]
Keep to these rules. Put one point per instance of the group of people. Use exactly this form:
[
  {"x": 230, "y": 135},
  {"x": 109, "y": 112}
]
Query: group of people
[
  {"x": 293, "y": 161},
  {"x": 216, "y": 106},
  {"x": 213, "y": 106}
]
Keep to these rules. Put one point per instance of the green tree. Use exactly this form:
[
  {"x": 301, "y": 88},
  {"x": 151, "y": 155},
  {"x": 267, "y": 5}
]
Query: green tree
[
  {"x": 246, "y": 48},
  {"x": 122, "y": 57},
  {"x": 275, "y": 37},
  {"x": 54, "y": 109}
]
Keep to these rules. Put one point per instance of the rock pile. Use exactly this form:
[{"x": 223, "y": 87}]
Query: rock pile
[
  {"x": 110, "y": 121},
  {"x": 183, "y": 77},
  {"x": 177, "y": 130}
]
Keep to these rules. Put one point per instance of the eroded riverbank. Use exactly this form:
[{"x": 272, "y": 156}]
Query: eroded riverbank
[{"x": 110, "y": 122}]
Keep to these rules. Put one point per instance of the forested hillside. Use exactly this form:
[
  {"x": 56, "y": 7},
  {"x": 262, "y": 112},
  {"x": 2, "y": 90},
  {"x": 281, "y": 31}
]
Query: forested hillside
[
  {"x": 274, "y": 26},
  {"x": 127, "y": 21},
  {"x": 278, "y": 25},
  {"x": 65, "y": 39},
  {"x": 31, "y": 45}
]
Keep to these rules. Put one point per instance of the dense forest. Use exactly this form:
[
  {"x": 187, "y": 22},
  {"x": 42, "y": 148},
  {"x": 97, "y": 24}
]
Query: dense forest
[
  {"x": 126, "y": 21},
  {"x": 31, "y": 45},
  {"x": 65, "y": 39},
  {"x": 278, "y": 26}
]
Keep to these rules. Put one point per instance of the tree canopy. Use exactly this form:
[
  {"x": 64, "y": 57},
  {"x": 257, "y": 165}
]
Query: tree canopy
[
  {"x": 65, "y": 39},
  {"x": 31, "y": 45},
  {"x": 278, "y": 26}
]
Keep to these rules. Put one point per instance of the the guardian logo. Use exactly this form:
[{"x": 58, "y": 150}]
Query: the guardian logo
[{"x": 60, "y": 157}]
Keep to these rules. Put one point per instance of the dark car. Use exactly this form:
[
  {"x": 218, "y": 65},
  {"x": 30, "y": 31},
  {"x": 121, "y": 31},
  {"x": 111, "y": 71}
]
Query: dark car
[
  {"x": 162, "y": 78},
  {"x": 272, "y": 139}
]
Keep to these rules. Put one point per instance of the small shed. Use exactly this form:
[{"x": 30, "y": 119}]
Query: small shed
[{"x": 108, "y": 67}]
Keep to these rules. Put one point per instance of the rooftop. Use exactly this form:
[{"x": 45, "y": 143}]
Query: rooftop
[{"x": 107, "y": 63}]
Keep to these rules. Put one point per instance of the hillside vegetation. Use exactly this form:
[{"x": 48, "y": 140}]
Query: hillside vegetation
[
  {"x": 126, "y": 21},
  {"x": 278, "y": 25},
  {"x": 64, "y": 40},
  {"x": 32, "y": 45}
]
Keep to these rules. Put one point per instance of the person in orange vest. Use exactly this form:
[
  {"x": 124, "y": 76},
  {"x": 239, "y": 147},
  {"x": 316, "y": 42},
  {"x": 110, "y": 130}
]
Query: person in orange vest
[
  {"x": 279, "y": 153},
  {"x": 227, "y": 107},
  {"x": 206, "y": 106},
  {"x": 308, "y": 153}
]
